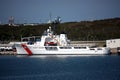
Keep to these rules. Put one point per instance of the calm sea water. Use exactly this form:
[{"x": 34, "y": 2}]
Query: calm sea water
[{"x": 60, "y": 68}]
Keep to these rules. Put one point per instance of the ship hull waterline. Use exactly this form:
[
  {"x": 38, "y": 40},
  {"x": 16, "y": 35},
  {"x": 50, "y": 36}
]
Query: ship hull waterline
[{"x": 35, "y": 50}]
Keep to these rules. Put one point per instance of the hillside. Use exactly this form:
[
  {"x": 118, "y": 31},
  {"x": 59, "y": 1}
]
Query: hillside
[{"x": 84, "y": 30}]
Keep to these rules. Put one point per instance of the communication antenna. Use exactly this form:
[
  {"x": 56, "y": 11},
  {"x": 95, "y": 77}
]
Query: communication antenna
[
  {"x": 50, "y": 16},
  {"x": 11, "y": 21},
  {"x": 58, "y": 20}
]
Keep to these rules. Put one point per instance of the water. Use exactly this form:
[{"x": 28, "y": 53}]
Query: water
[{"x": 60, "y": 68}]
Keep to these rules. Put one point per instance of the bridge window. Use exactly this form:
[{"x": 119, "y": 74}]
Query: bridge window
[
  {"x": 79, "y": 47},
  {"x": 51, "y": 48},
  {"x": 65, "y": 47}
]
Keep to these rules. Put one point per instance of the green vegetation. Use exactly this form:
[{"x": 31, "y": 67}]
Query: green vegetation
[{"x": 84, "y": 30}]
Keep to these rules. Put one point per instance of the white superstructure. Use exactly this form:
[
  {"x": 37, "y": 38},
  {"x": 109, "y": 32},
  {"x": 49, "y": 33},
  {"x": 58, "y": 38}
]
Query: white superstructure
[{"x": 52, "y": 44}]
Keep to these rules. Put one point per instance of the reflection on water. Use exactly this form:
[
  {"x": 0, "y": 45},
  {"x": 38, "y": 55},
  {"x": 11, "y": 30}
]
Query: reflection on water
[{"x": 62, "y": 67}]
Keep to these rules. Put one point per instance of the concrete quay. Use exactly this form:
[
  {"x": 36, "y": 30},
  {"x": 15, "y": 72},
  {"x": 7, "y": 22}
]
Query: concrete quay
[
  {"x": 7, "y": 53},
  {"x": 7, "y": 49}
]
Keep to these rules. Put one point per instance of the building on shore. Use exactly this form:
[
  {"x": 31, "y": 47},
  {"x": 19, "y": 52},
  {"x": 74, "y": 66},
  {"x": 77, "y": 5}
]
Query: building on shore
[{"x": 113, "y": 44}]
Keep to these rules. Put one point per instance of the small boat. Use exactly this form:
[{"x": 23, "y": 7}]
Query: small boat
[{"x": 52, "y": 44}]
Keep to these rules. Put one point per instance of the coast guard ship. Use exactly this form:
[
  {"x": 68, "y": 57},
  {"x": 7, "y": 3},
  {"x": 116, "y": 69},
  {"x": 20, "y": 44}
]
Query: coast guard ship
[{"x": 52, "y": 44}]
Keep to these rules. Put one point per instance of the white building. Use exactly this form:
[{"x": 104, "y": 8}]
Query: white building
[{"x": 113, "y": 43}]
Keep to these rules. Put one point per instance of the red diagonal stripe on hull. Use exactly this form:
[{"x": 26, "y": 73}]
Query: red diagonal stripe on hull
[{"x": 26, "y": 49}]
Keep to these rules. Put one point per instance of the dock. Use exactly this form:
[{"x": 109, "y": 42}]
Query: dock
[
  {"x": 7, "y": 53},
  {"x": 7, "y": 49}
]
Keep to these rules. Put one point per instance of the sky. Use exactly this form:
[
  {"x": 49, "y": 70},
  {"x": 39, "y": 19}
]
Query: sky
[{"x": 39, "y": 11}]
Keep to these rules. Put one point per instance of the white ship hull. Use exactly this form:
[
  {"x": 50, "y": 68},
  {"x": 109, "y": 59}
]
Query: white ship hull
[{"x": 59, "y": 50}]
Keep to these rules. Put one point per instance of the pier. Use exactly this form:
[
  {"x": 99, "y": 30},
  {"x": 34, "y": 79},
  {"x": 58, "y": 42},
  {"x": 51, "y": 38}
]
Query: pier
[
  {"x": 7, "y": 49},
  {"x": 7, "y": 53}
]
